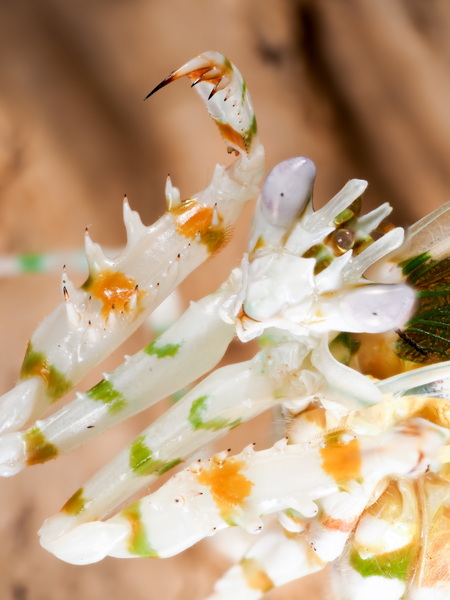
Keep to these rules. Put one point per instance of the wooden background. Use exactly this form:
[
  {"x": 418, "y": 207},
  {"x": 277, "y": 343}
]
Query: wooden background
[{"x": 361, "y": 87}]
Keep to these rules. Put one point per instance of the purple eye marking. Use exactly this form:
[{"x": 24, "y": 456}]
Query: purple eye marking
[
  {"x": 378, "y": 308},
  {"x": 287, "y": 189}
]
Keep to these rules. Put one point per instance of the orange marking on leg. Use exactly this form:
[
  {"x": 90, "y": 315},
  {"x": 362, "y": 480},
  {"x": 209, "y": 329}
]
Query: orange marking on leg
[
  {"x": 338, "y": 524},
  {"x": 341, "y": 460},
  {"x": 38, "y": 448},
  {"x": 228, "y": 486},
  {"x": 192, "y": 218},
  {"x": 232, "y": 136},
  {"x": 114, "y": 289},
  {"x": 255, "y": 576}
]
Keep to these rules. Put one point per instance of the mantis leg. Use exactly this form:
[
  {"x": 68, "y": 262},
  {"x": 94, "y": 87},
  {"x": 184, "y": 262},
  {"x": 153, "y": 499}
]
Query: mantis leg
[
  {"x": 119, "y": 293},
  {"x": 223, "y": 400},
  {"x": 185, "y": 352},
  {"x": 238, "y": 490}
]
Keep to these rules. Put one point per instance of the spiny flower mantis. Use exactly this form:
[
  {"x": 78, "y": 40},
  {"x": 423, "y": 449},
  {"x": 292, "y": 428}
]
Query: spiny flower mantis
[{"x": 345, "y": 310}]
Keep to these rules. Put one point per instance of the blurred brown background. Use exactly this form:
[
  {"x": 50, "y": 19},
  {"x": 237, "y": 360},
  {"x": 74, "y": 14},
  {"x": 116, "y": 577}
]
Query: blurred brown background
[{"x": 361, "y": 87}]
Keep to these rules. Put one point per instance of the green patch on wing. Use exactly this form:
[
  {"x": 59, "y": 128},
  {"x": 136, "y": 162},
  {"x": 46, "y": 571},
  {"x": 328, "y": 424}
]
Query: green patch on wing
[
  {"x": 426, "y": 336},
  {"x": 106, "y": 393},
  {"x": 197, "y": 414},
  {"x": 142, "y": 462},
  {"x": 36, "y": 364},
  {"x": 392, "y": 565},
  {"x": 162, "y": 351},
  {"x": 138, "y": 542},
  {"x": 410, "y": 264}
]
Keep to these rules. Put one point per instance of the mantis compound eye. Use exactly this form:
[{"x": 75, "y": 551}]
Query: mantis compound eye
[
  {"x": 378, "y": 308},
  {"x": 287, "y": 189}
]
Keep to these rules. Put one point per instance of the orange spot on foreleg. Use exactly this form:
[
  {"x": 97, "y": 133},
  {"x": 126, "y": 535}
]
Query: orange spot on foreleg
[
  {"x": 114, "y": 289},
  {"x": 228, "y": 486}
]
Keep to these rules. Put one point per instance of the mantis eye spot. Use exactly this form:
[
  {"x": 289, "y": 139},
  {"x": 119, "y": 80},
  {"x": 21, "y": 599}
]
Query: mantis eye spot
[
  {"x": 378, "y": 308},
  {"x": 287, "y": 189}
]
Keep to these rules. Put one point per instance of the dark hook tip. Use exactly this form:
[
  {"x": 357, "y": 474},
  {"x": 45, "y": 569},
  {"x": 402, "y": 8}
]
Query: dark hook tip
[{"x": 159, "y": 86}]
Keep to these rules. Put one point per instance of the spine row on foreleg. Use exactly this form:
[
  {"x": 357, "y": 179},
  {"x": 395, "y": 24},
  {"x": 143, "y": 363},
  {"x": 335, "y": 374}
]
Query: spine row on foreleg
[{"x": 119, "y": 293}]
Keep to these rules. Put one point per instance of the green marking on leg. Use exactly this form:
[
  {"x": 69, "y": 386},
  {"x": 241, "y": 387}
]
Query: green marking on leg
[
  {"x": 105, "y": 392},
  {"x": 36, "y": 364},
  {"x": 142, "y": 462},
  {"x": 243, "y": 92},
  {"x": 162, "y": 351},
  {"x": 198, "y": 408},
  {"x": 215, "y": 238},
  {"x": 169, "y": 465},
  {"x": 176, "y": 396},
  {"x": 138, "y": 542},
  {"x": 38, "y": 449},
  {"x": 250, "y": 133},
  {"x": 344, "y": 216},
  {"x": 293, "y": 514},
  {"x": 227, "y": 64},
  {"x": 393, "y": 565},
  {"x": 32, "y": 262},
  {"x": 75, "y": 504},
  {"x": 322, "y": 256}
]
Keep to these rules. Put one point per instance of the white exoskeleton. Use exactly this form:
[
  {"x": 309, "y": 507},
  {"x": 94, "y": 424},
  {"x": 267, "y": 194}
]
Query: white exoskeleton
[{"x": 360, "y": 479}]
